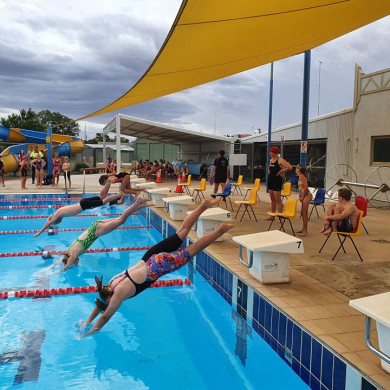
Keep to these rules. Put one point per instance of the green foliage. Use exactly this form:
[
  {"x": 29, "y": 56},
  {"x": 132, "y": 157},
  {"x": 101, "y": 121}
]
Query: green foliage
[
  {"x": 99, "y": 138},
  {"x": 79, "y": 166},
  {"x": 30, "y": 120}
]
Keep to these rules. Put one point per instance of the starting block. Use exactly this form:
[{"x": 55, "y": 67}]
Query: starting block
[
  {"x": 210, "y": 220},
  {"x": 268, "y": 254},
  {"x": 133, "y": 182},
  {"x": 133, "y": 177},
  {"x": 148, "y": 185},
  {"x": 158, "y": 194},
  {"x": 178, "y": 206},
  {"x": 377, "y": 307}
]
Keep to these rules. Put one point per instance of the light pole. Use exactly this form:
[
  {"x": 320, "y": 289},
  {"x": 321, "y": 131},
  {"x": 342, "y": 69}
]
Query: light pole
[{"x": 319, "y": 87}]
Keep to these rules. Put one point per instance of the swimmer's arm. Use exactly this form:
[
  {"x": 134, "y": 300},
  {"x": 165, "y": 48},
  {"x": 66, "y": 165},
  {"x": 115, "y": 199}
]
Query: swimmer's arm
[
  {"x": 113, "y": 306},
  {"x": 70, "y": 262},
  {"x": 46, "y": 225},
  {"x": 94, "y": 314}
]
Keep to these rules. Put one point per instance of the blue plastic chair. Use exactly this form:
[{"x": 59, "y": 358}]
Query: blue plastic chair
[
  {"x": 294, "y": 182},
  {"x": 225, "y": 195},
  {"x": 318, "y": 200}
]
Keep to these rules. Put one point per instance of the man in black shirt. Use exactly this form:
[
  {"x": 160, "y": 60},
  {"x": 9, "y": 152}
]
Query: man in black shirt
[{"x": 220, "y": 171}]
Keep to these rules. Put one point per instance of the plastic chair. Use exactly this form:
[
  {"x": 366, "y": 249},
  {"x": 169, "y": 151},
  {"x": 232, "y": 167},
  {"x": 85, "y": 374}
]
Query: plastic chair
[
  {"x": 294, "y": 182},
  {"x": 355, "y": 233},
  {"x": 361, "y": 203},
  {"x": 318, "y": 200},
  {"x": 225, "y": 195},
  {"x": 290, "y": 211},
  {"x": 237, "y": 186},
  {"x": 256, "y": 184},
  {"x": 286, "y": 190},
  {"x": 200, "y": 190},
  {"x": 186, "y": 185},
  {"x": 252, "y": 201}
]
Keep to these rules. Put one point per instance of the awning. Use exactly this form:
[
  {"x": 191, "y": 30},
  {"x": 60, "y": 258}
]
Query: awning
[
  {"x": 159, "y": 132},
  {"x": 212, "y": 39}
]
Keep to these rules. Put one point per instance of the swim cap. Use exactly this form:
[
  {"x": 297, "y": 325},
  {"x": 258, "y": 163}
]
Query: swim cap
[{"x": 274, "y": 149}]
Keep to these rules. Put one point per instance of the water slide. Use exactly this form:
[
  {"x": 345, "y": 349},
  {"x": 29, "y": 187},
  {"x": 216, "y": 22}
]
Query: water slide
[{"x": 64, "y": 145}]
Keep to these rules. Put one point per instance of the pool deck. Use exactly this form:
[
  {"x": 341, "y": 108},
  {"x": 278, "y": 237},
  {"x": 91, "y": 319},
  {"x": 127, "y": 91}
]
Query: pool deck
[{"x": 319, "y": 289}]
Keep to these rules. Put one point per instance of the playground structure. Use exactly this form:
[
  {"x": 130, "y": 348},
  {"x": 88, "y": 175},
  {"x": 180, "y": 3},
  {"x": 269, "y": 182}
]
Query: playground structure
[{"x": 64, "y": 145}]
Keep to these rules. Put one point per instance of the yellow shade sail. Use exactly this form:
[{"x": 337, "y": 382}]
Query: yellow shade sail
[{"x": 212, "y": 39}]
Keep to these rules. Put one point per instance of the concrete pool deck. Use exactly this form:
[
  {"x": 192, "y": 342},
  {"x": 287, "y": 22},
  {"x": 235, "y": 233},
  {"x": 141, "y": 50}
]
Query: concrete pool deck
[{"x": 319, "y": 289}]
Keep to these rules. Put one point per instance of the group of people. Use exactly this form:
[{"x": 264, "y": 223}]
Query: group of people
[
  {"x": 149, "y": 169},
  {"x": 111, "y": 165},
  {"x": 166, "y": 256},
  {"x": 35, "y": 159}
]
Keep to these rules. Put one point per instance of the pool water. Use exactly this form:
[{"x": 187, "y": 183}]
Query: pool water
[{"x": 183, "y": 337}]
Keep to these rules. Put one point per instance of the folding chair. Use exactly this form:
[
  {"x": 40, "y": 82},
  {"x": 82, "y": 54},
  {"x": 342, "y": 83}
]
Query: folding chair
[
  {"x": 186, "y": 185},
  {"x": 200, "y": 190},
  {"x": 256, "y": 184},
  {"x": 286, "y": 190},
  {"x": 361, "y": 203},
  {"x": 318, "y": 200},
  {"x": 345, "y": 235},
  {"x": 225, "y": 195},
  {"x": 248, "y": 203},
  {"x": 290, "y": 211},
  {"x": 237, "y": 186}
]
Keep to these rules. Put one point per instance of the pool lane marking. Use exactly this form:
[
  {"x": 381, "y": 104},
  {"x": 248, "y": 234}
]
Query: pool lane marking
[
  {"x": 49, "y": 253},
  {"x": 75, "y": 216},
  {"x": 40, "y": 199},
  {"x": 5, "y": 232},
  {"x": 48, "y": 292}
]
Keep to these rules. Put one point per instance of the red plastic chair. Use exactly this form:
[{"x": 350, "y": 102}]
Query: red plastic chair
[{"x": 361, "y": 203}]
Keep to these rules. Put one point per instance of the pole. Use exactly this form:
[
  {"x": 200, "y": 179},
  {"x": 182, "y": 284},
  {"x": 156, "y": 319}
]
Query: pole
[
  {"x": 271, "y": 91},
  {"x": 305, "y": 107},
  {"x": 49, "y": 146},
  {"x": 319, "y": 87}
]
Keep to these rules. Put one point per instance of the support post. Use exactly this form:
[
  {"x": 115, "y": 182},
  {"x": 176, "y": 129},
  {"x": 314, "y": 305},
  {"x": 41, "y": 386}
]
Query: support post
[
  {"x": 271, "y": 91},
  {"x": 118, "y": 142},
  {"x": 49, "y": 147},
  {"x": 305, "y": 107}
]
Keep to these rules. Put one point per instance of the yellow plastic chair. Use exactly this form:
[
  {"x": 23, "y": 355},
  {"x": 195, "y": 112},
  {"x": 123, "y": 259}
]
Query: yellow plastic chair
[
  {"x": 248, "y": 203},
  {"x": 200, "y": 190},
  {"x": 256, "y": 184},
  {"x": 344, "y": 235},
  {"x": 290, "y": 211},
  {"x": 237, "y": 186},
  {"x": 286, "y": 190},
  {"x": 186, "y": 185}
]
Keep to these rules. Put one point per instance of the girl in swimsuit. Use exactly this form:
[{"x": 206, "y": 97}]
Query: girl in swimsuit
[
  {"x": 23, "y": 171},
  {"x": 97, "y": 229},
  {"x": 84, "y": 204},
  {"x": 162, "y": 258},
  {"x": 39, "y": 164},
  {"x": 305, "y": 197},
  {"x": 56, "y": 169}
]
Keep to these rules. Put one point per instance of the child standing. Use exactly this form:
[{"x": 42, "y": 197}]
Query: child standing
[{"x": 305, "y": 197}]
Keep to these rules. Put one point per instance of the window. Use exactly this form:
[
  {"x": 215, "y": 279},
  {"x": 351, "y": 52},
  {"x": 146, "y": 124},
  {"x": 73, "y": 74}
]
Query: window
[{"x": 380, "y": 150}]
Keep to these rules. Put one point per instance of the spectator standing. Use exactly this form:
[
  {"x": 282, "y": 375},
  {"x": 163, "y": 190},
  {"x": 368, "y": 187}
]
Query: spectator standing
[
  {"x": 220, "y": 171},
  {"x": 66, "y": 170},
  {"x": 33, "y": 156},
  {"x": 2, "y": 172}
]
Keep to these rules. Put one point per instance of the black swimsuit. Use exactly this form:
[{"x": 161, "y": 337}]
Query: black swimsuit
[{"x": 91, "y": 203}]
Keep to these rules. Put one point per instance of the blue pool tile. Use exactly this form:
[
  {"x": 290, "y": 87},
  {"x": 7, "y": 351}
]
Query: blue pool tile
[
  {"x": 367, "y": 385},
  {"x": 323, "y": 387},
  {"x": 297, "y": 340},
  {"x": 282, "y": 329},
  {"x": 262, "y": 312},
  {"x": 305, "y": 375},
  {"x": 280, "y": 350},
  {"x": 256, "y": 307},
  {"x": 339, "y": 374},
  {"x": 275, "y": 323},
  {"x": 327, "y": 368},
  {"x": 314, "y": 383},
  {"x": 316, "y": 358},
  {"x": 274, "y": 344},
  {"x": 306, "y": 350},
  {"x": 296, "y": 367},
  {"x": 267, "y": 337},
  {"x": 268, "y": 317},
  {"x": 290, "y": 326}
]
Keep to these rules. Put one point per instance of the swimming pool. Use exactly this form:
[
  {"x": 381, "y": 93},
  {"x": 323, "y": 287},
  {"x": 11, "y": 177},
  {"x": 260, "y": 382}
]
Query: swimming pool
[{"x": 169, "y": 337}]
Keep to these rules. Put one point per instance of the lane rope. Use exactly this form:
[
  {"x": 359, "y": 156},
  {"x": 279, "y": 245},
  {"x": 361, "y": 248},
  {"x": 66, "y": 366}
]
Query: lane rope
[
  {"x": 47, "y": 216},
  {"x": 5, "y": 232},
  {"x": 81, "y": 290},
  {"x": 39, "y": 199}
]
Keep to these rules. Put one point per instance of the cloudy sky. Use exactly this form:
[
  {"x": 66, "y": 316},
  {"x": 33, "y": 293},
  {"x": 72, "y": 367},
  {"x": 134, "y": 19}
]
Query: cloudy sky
[{"x": 75, "y": 57}]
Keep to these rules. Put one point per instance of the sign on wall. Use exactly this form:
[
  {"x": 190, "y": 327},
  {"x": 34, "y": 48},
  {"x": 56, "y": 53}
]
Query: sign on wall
[{"x": 238, "y": 159}]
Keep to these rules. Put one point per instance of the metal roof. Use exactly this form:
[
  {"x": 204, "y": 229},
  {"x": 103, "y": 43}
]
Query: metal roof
[{"x": 160, "y": 132}]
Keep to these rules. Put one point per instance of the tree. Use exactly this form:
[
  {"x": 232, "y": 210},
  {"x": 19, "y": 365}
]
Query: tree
[
  {"x": 99, "y": 138},
  {"x": 28, "y": 120}
]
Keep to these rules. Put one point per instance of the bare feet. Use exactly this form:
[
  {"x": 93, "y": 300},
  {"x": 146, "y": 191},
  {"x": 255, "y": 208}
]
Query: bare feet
[
  {"x": 226, "y": 226},
  {"x": 327, "y": 231},
  {"x": 207, "y": 203},
  {"x": 270, "y": 219},
  {"x": 302, "y": 234}
]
